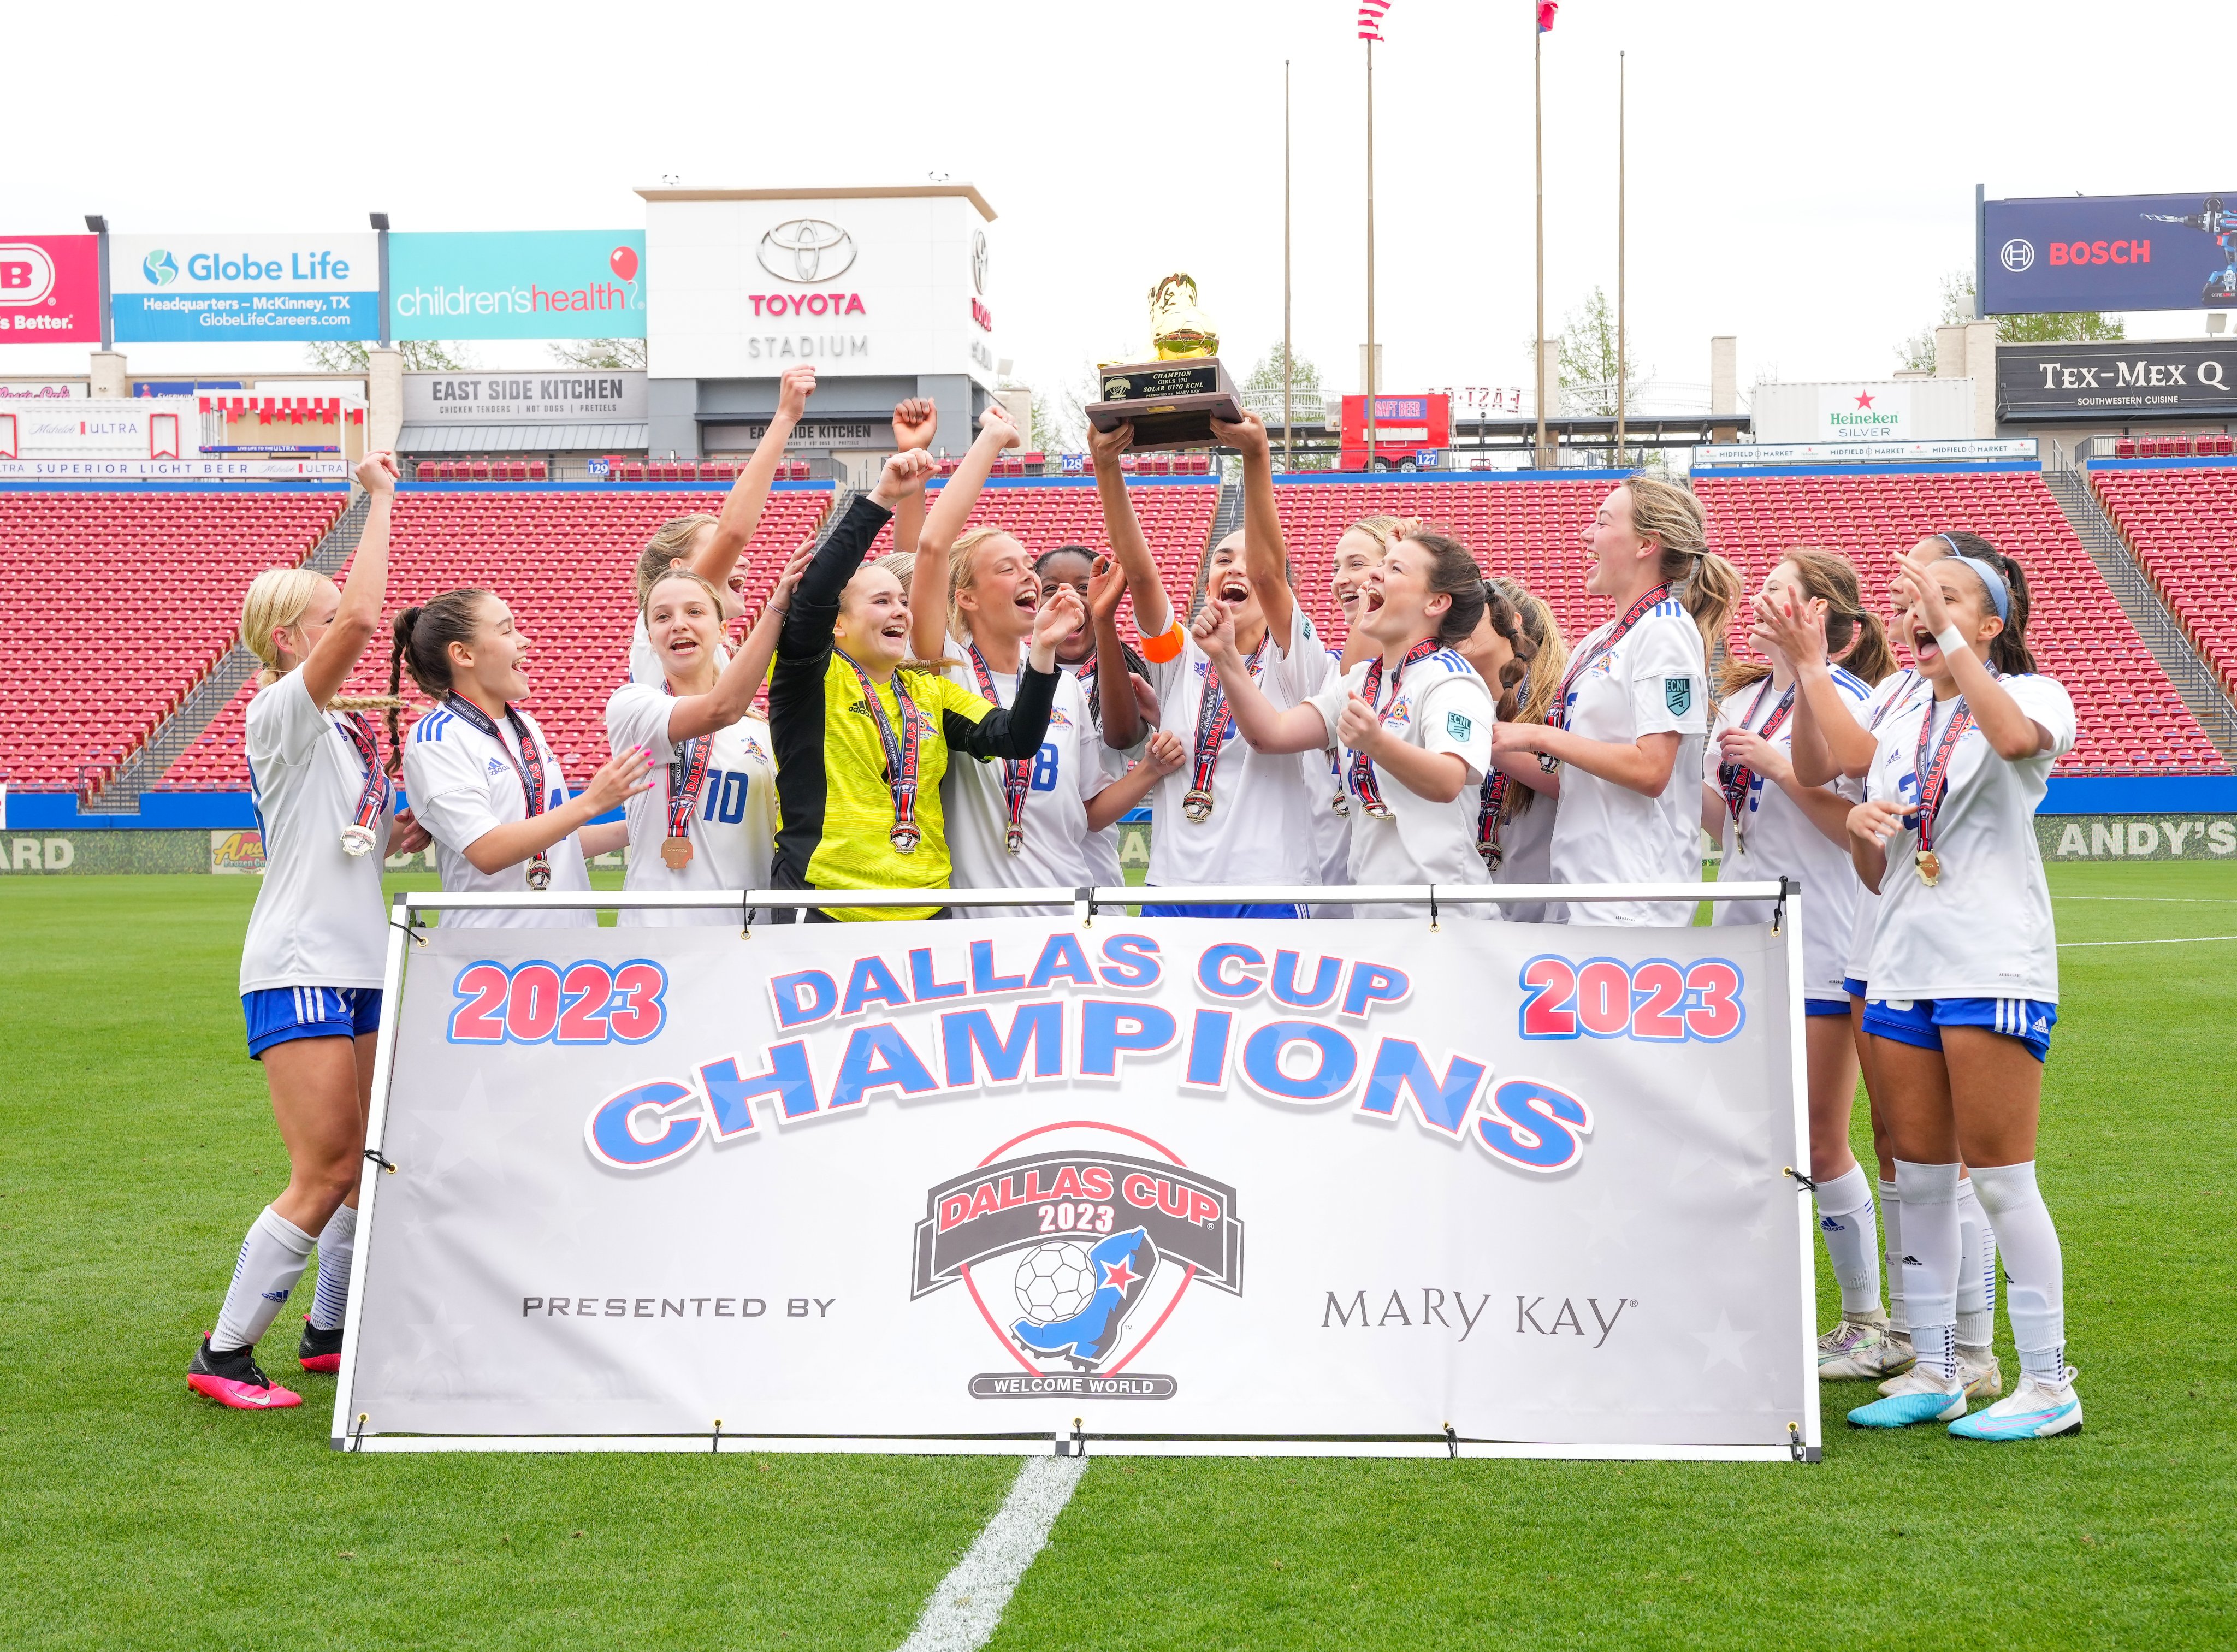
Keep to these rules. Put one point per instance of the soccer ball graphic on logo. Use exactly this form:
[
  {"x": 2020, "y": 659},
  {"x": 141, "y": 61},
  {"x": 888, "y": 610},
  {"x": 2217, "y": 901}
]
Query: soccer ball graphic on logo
[{"x": 1054, "y": 1282}]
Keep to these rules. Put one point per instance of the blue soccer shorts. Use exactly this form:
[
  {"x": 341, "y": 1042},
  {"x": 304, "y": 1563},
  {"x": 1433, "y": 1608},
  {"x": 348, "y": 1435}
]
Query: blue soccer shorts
[
  {"x": 276, "y": 1015},
  {"x": 1919, "y": 1021}
]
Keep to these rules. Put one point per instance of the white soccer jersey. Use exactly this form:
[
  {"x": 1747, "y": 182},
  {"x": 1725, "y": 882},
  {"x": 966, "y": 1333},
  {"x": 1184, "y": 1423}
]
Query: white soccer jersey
[
  {"x": 1331, "y": 831},
  {"x": 1651, "y": 682},
  {"x": 1259, "y": 799},
  {"x": 1063, "y": 776},
  {"x": 1888, "y": 696},
  {"x": 1985, "y": 929},
  {"x": 644, "y": 664},
  {"x": 1773, "y": 838},
  {"x": 318, "y": 921},
  {"x": 733, "y": 829},
  {"x": 1440, "y": 704},
  {"x": 461, "y": 783},
  {"x": 1526, "y": 856}
]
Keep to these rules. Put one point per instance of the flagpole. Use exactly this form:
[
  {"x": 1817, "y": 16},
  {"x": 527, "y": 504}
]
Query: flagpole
[
  {"x": 1538, "y": 102},
  {"x": 1619, "y": 104},
  {"x": 1289, "y": 356},
  {"x": 1371, "y": 255}
]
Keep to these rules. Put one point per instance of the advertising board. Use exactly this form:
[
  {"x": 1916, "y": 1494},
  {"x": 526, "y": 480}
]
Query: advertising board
[
  {"x": 225, "y": 289},
  {"x": 49, "y": 290},
  {"x": 1900, "y": 410},
  {"x": 2192, "y": 379},
  {"x": 517, "y": 284},
  {"x": 569, "y": 396},
  {"x": 2054, "y": 253}
]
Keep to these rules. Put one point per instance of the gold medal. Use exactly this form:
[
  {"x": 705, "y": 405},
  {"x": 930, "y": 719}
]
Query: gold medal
[
  {"x": 1196, "y": 805},
  {"x": 675, "y": 852},
  {"x": 1930, "y": 867}
]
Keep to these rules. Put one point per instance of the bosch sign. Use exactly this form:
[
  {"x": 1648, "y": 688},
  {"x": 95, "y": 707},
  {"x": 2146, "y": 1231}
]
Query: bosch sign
[{"x": 2108, "y": 252}]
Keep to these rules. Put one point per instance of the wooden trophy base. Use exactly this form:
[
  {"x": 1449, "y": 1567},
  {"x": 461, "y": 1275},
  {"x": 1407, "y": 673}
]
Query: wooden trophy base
[{"x": 1170, "y": 403}]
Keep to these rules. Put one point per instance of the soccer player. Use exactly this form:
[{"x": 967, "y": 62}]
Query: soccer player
[
  {"x": 1964, "y": 982},
  {"x": 1229, "y": 817},
  {"x": 1357, "y": 549},
  {"x": 311, "y": 967},
  {"x": 864, "y": 737},
  {"x": 1770, "y": 824},
  {"x": 712, "y": 823},
  {"x": 481, "y": 777},
  {"x": 1028, "y": 823},
  {"x": 1412, "y": 723},
  {"x": 1515, "y": 813},
  {"x": 711, "y": 545},
  {"x": 1625, "y": 738}
]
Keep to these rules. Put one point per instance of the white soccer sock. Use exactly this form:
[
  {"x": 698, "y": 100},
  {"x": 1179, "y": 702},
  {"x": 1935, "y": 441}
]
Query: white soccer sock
[
  {"x": 1930, "y": 1263},
  {"x": 1977, "y": 1273},
  {"x": 2034, "y": 1268},
  {"x": 1891, "y": 1244},
  {"x": 1845, "y": 1222},
  {"x": 337, "y": 1243},
  {"x": 272, "y": 1258}
]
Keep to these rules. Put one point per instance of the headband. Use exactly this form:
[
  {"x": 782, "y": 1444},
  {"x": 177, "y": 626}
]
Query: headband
[{"x": 1991, "y": 579}]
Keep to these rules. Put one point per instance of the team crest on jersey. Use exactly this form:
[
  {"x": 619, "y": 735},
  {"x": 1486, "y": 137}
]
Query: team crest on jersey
[
  {"x": 1678, "y": 695},
  {"x": 1058, "y": 720},
  {"x": 754, "y": 751},
  {"x": 1399, "y": 715},
  {"x": 1069, "y": 1250}
]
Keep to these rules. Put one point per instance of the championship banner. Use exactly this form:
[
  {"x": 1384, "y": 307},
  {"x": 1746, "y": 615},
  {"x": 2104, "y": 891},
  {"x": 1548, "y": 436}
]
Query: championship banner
[{"x": 1369, "y": 1187}]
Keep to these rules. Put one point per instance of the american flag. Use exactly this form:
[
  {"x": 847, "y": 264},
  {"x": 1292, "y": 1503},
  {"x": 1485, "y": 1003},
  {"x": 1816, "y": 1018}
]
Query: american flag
[{"x": 1370, "y": 19}]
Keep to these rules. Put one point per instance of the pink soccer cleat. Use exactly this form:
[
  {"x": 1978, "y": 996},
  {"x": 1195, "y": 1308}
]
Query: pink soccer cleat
[{"x": 232, "y": 1378}]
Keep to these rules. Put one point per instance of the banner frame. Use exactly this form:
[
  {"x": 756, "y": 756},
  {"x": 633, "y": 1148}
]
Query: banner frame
[{"x": 348, "y": 1433}]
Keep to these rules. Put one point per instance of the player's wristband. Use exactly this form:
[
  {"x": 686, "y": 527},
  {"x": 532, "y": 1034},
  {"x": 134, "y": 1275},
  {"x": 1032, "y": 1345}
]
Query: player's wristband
[
  {"x": 1951, "y": 641},
  {"x": 1164, "y": 649}
]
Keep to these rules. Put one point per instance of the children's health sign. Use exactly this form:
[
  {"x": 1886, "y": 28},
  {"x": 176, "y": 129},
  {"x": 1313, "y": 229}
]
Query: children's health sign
[
  {"x": 1337, "y": 1187},
  {"x": 230, "y": 288},
  {"x": 519, "y": 284}
]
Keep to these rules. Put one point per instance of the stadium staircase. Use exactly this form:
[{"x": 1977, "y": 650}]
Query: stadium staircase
[
  {"x": 2202, "y": 690},
  {"x": 1225, "y": 520},
  {"x": 2181, "y": 522}
]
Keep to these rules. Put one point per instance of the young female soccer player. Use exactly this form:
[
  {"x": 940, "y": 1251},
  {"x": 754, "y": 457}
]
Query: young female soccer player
[
  {"x": 481, "y": 776},
  {"x": 712, "y": 824},
  {"x": 1835, "y": 738},
  {"x": 1357, "y": 549},
  {"x": 1085, "y": 654},
  {"x": 863, "y": 739},
  {"x": 1771, "y": 825},
  {"x": 1230, "y": 816},
  {"x": 1030, "y": 823},
  {"x": 711, "y": 545},
  {"x": 311, "y": 967},
  {"x": 1964, "y": 980},
  {"x": 1516, "y": 806},
  {"x": 1413, "y": 723},
  {"x": 1625, "y": 740}
]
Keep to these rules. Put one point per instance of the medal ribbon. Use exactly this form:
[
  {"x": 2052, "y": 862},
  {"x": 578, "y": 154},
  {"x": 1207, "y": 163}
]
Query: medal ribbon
[
  {"x": 1370, "y": 690},
  {"x": 531, "y": 774},
  {"x": 1015, "y": 774},
  {"x": 1492, "y": 804},
  {"x": 687, "y": 777},
  {"x": 901, "y": 752},
  {"x": 1214, "y": 724},
  {"x": 1895, "y": 702},
  {"x": 1558, "y": 713},
  {"x": 1934, "y": 773},
  {"x": 373, "y": 801},
  {"x": 1736, "y": 777}
]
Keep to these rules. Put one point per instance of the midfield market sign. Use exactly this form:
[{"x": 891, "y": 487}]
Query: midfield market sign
[{"x": 2117, "y": 381}]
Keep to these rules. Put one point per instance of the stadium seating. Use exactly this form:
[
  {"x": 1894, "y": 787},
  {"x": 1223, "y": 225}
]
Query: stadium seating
[
  {"x": 2132, "y": 719},
  {"x": 114, "y": 604},
  {"x": 562, "y": 559},
  {"x": 2183, "y": 525}
]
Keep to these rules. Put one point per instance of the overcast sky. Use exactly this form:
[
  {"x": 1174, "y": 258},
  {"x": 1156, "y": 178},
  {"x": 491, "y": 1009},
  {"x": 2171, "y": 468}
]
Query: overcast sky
[{"x": 1801, "y": 176}]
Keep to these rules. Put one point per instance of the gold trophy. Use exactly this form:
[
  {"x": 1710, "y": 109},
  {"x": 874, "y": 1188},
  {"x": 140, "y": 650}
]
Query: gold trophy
[{"x": 1173, "y": 399}]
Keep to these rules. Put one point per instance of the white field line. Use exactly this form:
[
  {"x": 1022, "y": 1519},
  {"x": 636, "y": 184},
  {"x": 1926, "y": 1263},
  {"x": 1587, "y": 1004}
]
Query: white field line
[
  {"x": 2158, "y": 900},
  {"x": 2160, "y": 940},
  {"x": 965, "y": 1609}
]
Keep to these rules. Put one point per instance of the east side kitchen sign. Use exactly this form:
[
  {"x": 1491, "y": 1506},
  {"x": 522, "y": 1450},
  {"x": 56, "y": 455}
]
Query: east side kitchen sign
[
  {"x": 576, "y": 397},
  {"x": 2116, "y": 382}
]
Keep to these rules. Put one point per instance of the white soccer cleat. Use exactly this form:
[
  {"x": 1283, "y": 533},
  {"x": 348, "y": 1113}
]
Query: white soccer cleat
[
  {"x": 1984, "y": 1377},
  {"x": 2035, "y": 1411},
  {"x": 1858, "y": 1351},
  {"x": 1917, "y": 1398}
]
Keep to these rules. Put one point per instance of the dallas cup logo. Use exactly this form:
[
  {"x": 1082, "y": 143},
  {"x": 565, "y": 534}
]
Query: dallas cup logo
[{"x": 1075, "y": 1255}]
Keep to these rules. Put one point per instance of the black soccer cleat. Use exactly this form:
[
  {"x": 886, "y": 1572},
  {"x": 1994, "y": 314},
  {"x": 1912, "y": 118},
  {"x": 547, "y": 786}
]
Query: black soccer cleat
[
  {"x": 319, "y": 1352},
  {"x": 232, "y": 1377}
]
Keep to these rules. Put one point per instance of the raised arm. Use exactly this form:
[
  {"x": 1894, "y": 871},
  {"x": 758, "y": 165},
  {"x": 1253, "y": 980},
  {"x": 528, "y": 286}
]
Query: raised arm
[
  {"x": 2012, "y": 734},
  {"x": 943, "y": 524},
  {"x": 1017, "y": 733},
  {"x": 1828, "y": 741},
  {"x": 915, "y": 422},
  {"x": 749, "y": 496},
  {"x": 1153, "y": 610},
  {"x": 1114, "y": 685},
  {"x": 805, "y": 631},
  {"x": 732, "y": 696},
  {"x": 1266, "y": 554},
  {"x": 336, "y": 653},
  {"x": 1301, "y": 728}
]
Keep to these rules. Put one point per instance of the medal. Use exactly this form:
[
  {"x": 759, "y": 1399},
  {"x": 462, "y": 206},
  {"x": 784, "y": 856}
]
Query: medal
[
  {"x": 1362, "y": 779},
  {"x": 686, "y": 778},
  {"x": 675, "y": 852},
  {"x": 1015, "y": 774},
  {"x": 1341, "y": 804},
  {"x": 529, "y": 767},
  {"x": 373, "y": 798},
  {"x": 1737, "y": 780},
  {"x": 1933, "y": 782},
  {"x": 1491, "y": 804},
  {"x": 1215, "y": 726},
  {"x": 901, "y": 749},
  {"x": 1930, "y": 867}
]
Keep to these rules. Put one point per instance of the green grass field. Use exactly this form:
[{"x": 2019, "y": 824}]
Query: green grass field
[{"x": 135, "y": 1143}]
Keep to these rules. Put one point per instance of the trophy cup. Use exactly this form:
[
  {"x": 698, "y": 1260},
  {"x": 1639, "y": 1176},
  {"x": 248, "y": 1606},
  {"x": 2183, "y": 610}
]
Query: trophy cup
[{"x": 1173, "y": 399}]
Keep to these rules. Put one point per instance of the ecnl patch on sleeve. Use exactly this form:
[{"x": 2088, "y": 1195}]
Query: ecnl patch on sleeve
[
  {"x": 1458, "y": 726},
  {"x": 1678, "y": 695}
]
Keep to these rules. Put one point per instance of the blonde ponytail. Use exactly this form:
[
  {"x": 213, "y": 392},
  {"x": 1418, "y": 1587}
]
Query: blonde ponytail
[{"x": 1710, "y": 588}]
